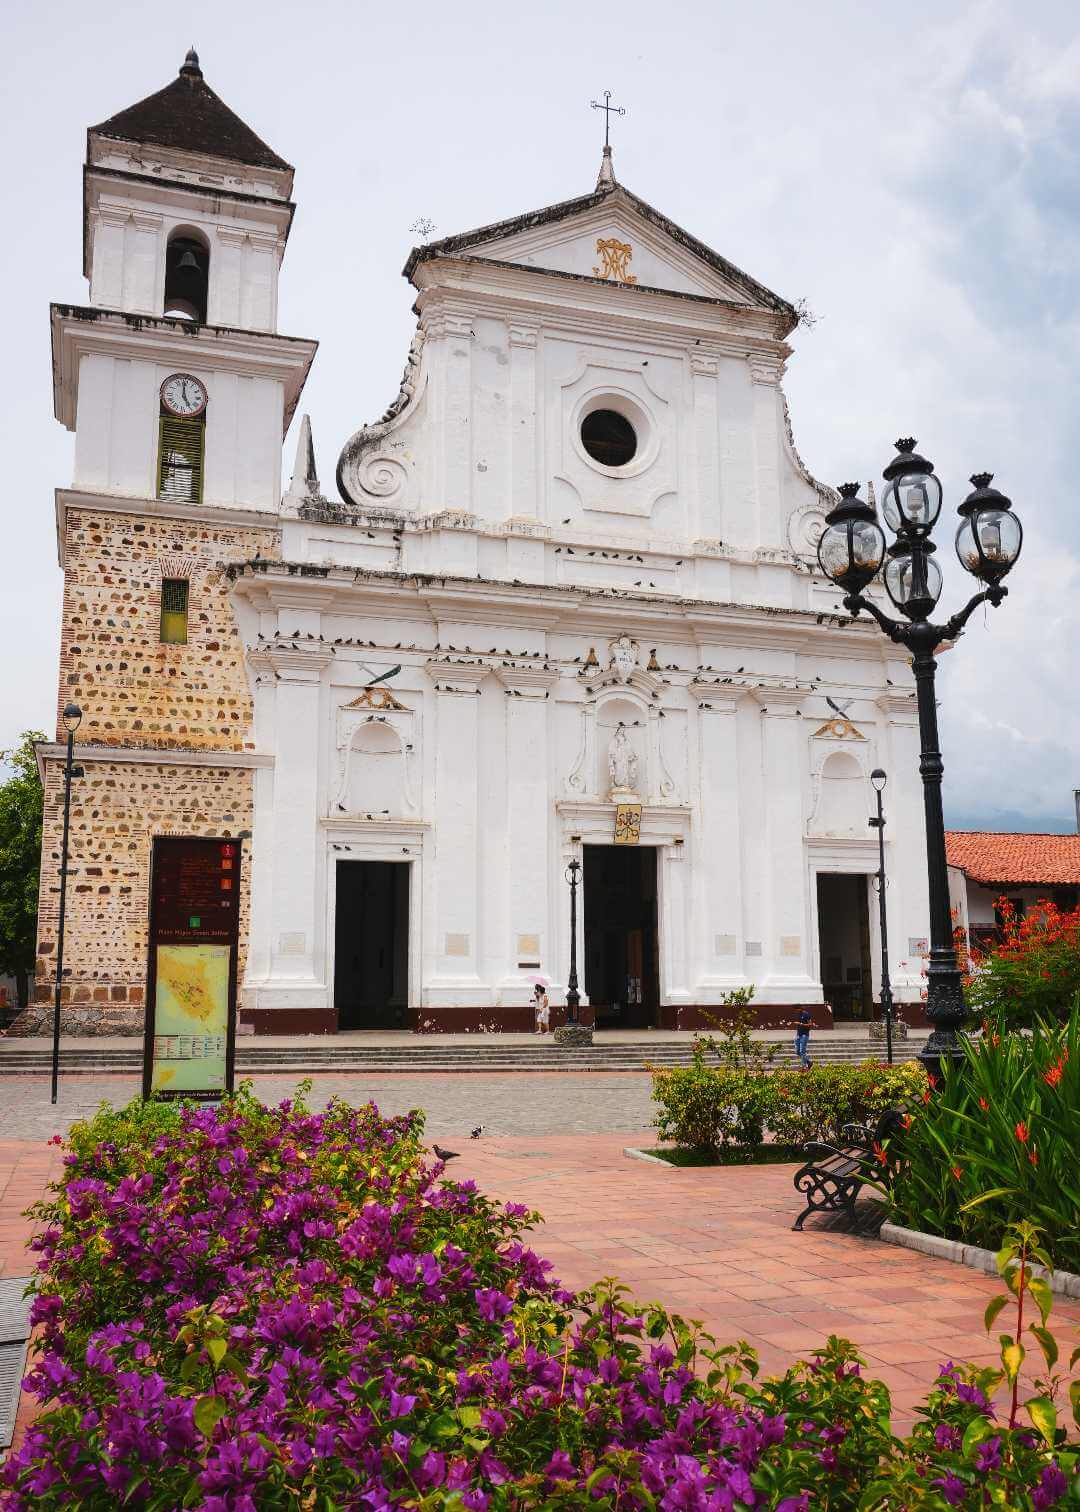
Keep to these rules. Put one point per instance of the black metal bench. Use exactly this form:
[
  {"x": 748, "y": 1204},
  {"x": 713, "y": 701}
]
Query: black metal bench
[{"x": 834, "y": 1175}]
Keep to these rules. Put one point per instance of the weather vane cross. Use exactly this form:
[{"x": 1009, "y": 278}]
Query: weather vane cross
[{"x": 609, "y": 110}]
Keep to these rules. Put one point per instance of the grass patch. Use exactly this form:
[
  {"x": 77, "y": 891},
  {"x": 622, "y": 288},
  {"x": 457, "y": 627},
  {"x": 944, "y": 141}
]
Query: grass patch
[{"x": 762, "y": 1154}]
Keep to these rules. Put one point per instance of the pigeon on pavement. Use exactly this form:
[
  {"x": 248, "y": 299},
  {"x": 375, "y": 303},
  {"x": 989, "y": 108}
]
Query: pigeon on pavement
[
  {"x": 476, "y": 1133},
  {"x": 445, "y": 1155}
]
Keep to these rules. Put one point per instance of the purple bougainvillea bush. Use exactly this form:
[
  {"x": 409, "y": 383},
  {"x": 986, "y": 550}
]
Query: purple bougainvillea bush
[{"x": 244, "y": 1308}]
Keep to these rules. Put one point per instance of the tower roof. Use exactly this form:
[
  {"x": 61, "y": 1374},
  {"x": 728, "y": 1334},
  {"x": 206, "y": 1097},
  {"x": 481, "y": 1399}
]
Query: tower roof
[{"x": 188, "y": 114}]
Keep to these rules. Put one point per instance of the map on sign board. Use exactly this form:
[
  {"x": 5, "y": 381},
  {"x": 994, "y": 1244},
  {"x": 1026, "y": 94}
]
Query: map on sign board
[{"x": 191, "y": 1017}]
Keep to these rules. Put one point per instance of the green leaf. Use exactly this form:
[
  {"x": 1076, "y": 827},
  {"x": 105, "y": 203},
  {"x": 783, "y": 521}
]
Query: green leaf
[
  {"x": 469, "y": 1416},
  {"x": 978, "y": 1429},
  {"x": 1007, "y": 1251},
  {"x": 1012, "y": 1357},
  {"x": 1047, "y": 1343},
  {"x": 1074, "y": 1398},
  {"x": 190, "y": 1367},
  {"x": 1043, "y": 1414},
  {"x": 209, "y": 1411},
  {"x": 993, "y": 1307},
  {"x": 235, "y": 1367},
  {"x": 216, "y": 1349},
  {"x": 1044, "y": 1297}
]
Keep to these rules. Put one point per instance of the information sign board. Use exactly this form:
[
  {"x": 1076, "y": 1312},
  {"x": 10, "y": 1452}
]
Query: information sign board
[{"x": 190, "y": 1034}]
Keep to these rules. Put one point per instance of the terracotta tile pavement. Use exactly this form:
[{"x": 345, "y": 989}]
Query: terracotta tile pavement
[{"x": 714, "y": 1244}]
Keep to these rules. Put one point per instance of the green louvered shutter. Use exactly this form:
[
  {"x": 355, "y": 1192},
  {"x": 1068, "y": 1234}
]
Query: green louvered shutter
[{"x": 180, "y": 458}]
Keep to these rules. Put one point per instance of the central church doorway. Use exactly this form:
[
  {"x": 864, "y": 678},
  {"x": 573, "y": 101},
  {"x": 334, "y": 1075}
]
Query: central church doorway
[
  {"x": 371, "y": 934},
  {"x": 844, "y": 940},
  {"x": 622, "y": 974}
]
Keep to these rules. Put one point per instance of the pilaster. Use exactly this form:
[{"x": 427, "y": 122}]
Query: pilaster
[
  {"x": 718, "y": 900},
  {"x": 455, "y": 918},
  {"x": 786, "y": 949},
  {"x": 526, "y": 693},
  {"x": 287, "y": 841},
  {"x": 525, "y": 494}
]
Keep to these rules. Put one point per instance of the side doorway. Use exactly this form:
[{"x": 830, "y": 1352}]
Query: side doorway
[
  {"x": 847, "y": 978},
  {"x": 371, "y": 944}
]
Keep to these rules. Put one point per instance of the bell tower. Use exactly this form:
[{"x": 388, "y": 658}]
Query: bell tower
[
  {"x": 186, "y": 214},
  {"x": 179, "y": 389}
]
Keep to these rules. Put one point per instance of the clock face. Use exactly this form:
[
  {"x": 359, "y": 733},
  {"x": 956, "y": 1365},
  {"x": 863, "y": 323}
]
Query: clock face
[{"x": 183, "y": 395}]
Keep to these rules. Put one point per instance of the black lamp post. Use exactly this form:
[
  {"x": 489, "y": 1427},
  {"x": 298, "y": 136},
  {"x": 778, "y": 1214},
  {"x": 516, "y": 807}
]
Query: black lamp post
[
  {"x": 573, "y": 997},
  {"x": 851, "y": 552},
  {"x": 878, "y": 780},
  {"x": 72, "y": 717}
]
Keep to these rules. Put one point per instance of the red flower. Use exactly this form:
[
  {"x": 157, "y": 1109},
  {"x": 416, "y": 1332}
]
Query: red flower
[
  {"x": 56, "y": 1139},
  {"x": 1053, "y": 1076},
  {"x": 984, "y": 1105},
  {"x": 1022, "y": 1132},
  {"x": 1033, "y": 1156},
  {"x": 956, "y": 1171}
]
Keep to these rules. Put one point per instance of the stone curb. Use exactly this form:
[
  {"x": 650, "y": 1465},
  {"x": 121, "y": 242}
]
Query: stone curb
[
  {"x": 652, "y": 1159},
  {"x": 1065, "y": 1283}
]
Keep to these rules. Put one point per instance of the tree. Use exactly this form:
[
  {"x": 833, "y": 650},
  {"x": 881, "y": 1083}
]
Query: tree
[{"x": 20, "y": 862}]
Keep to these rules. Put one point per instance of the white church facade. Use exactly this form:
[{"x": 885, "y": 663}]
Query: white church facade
[{"x": 563, "y": 606}]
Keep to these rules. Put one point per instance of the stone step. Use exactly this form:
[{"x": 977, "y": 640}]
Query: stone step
[{"x": 421, "y": 1059}]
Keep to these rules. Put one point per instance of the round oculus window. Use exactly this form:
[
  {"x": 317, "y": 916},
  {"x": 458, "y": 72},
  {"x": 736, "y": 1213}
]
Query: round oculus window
[{"x": 609, "y": 438}]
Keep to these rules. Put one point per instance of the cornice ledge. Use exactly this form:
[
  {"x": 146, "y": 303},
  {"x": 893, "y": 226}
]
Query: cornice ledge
[
  {"x": 892, "y": 701},
  {"x": 457, "y": 676},
  {"x": 529, "y": 682},
  {"x": 717, "y": 698},
  {"x": 780, "y": 699},
  {"x": 300, "y": 661},
  {"x": 49, "y": 750}
]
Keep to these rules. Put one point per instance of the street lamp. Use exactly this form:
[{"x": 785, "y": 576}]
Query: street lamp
[
  {"x": 850, "y": 552},
  {"x": 573, "y": 997},
  {"x": 878, "y": 780},
  {"x": 72, "y": 718}
]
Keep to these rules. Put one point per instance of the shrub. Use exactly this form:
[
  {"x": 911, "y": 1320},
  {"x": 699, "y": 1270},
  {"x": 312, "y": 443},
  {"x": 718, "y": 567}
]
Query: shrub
[
  {"x": 286, "y": 1310},
  {"x": 998, "y": 1141},
  {"x": 1034, "y": 973},
  {"x": 719, "y": 1108}
]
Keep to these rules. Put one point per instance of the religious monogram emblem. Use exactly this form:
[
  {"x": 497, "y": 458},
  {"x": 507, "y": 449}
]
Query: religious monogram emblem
[
  {"x": 627, "y": 824},
  {"x": 616, "y": 257},
  {"x": 624, "y": 657}
]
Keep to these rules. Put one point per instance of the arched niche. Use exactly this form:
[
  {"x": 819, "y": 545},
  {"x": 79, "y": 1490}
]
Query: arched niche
[
  {"x": 842, "y": 804},
  {"x": 375, "y": 779},
  {"x": 632, "y": 715}
]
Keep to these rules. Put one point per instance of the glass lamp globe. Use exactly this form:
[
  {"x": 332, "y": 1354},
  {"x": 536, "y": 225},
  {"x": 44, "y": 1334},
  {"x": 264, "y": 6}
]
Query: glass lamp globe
[
  {"x": 990, "y": 536},
  {"x": 913, "y": 582},
  {"x": 912, "y": 498},
  {"x": 852, "y": 547}
]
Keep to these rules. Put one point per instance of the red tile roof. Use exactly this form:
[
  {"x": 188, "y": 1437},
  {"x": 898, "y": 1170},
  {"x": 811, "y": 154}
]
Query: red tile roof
[{"x": 991, "y": 857}]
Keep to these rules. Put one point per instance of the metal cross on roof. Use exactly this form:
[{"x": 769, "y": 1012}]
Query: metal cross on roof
[{"x": 609, "y": 110}]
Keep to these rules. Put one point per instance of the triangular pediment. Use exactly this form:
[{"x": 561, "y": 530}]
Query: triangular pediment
[{"x": 614, "y": 236}]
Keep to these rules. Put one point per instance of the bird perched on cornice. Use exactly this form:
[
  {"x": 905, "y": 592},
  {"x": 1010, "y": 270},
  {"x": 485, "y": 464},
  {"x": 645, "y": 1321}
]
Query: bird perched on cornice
[{"x": 840, "y": 708}]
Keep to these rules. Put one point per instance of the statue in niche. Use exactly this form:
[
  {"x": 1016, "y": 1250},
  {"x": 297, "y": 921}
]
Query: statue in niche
[
  {"x": 624, "y": 658},
  {"x": 622, "y": 763}
]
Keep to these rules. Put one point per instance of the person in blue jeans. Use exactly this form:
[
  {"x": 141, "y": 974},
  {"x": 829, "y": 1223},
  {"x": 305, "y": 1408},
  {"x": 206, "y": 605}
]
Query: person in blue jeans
[{"x": 802, "y": 1038}]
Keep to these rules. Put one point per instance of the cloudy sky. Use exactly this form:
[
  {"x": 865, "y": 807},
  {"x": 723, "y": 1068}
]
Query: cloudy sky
[{"x": 910, "y": 171}]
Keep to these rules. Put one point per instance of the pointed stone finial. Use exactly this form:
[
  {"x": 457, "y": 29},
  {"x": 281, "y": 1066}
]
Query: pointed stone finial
[
  {"x": 305, "y": 477},
  {"x": 605, "y": 179},
  {"x": 190, "y": 69}
]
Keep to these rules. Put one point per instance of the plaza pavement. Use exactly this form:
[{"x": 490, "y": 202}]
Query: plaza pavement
[{"x": 714, "y": 1244}]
